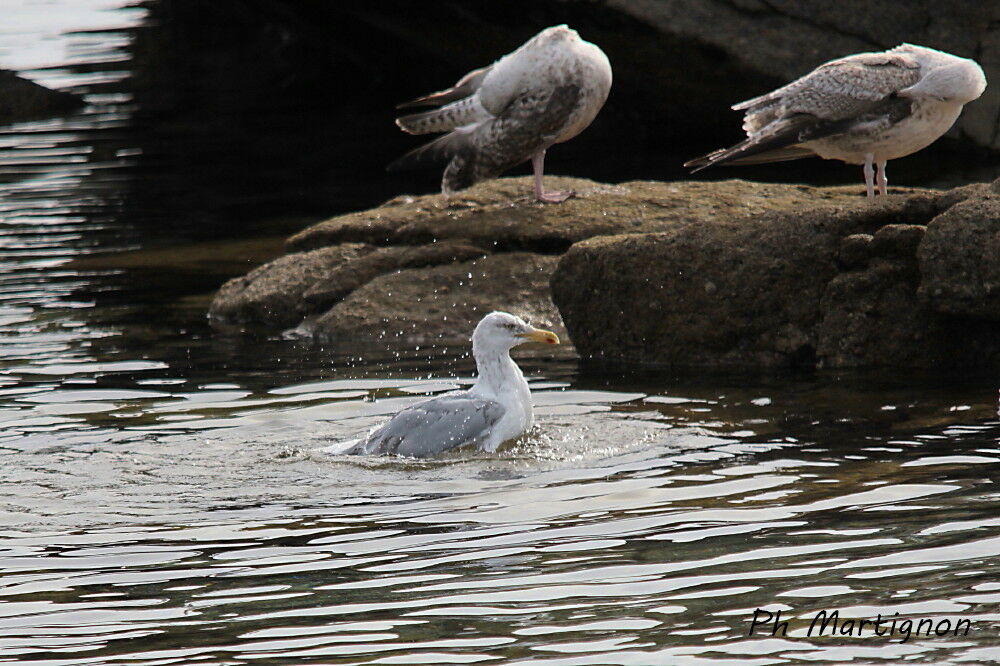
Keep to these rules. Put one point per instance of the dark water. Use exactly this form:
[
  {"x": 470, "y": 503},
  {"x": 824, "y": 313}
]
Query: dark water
[{"x": 163, "y": 500}]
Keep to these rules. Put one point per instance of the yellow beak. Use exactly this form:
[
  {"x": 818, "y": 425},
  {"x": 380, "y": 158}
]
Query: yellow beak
[{"x": 540, "y": 335}]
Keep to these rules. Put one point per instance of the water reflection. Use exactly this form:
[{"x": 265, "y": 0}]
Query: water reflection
[{"x": 653, "y": 546}]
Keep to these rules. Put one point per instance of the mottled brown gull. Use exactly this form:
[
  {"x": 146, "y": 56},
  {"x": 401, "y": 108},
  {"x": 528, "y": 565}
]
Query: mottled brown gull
[
  {"x": 866, "y": 108},
  {"x": 495, "y": 409},
  {"x": 546, "y": 92}
]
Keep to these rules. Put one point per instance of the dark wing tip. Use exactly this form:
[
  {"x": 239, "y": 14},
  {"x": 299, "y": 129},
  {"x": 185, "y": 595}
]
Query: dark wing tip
[
  {"x": 435, "y": 99},
  {"x": 709, "y": 159},
  {"x": 698, "y": 163},
  {"x": 420, "y": 101}
]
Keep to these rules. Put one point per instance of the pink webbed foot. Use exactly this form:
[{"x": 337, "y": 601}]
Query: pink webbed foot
[
  {"x": 555, "y": 196},
  {"x": 538, "y": 166}
]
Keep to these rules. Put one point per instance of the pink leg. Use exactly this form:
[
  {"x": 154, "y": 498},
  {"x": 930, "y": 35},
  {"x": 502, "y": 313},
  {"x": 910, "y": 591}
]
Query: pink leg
[
  {"x": 538, "y": 164},
  {"x": 883, "y": 182},
  {"x": 869, "y": 175}
]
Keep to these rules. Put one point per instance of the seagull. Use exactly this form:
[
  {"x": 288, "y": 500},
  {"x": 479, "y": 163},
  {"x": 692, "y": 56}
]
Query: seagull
[
  {"x": 546, "y": 92},
  {"x": 497, "y": 407},
  {"x": 866, "y": 108}
]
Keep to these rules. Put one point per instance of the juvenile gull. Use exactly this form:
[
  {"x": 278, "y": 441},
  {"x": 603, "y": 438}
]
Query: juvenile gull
[
  {"x": 867, "y": 108},
  {"x": 546, "y": 92},
  {"x": 495, "y": 409}
]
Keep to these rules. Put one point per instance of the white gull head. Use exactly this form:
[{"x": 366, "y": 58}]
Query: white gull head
[
  {"x": 944, "y": 76},
  {"x": 501, "y": 331}
]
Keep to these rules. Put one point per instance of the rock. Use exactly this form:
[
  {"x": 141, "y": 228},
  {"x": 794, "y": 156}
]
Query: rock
[
  {"x": 872, "y": 318},
  {"x": 718, "y": 275},
  {"x": 21, "y": 99},
  {"x": 417, "y": 292},
  {"x": 495, "y": 216},
  {"x": 824, "y": 286},
  {"x": 898, "y": 241},
  {"x": 347, "y": 277},
  {"x": 498, "y": 215},
  {"x": 272, "y": 294},
  {"x": 441, "y": 305},
  {"x": 960, "y": 259},
  {"x": 855, "y": 250},
  {"x": 953, "y": 196},
  {"x": 716, "y": 294}
]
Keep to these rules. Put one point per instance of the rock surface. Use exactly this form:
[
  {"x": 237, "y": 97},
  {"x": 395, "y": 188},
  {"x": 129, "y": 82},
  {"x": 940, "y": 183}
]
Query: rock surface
[
  {"x": 272, "y": 294},
  {"x": 501, "y": 216},
  {"x": 854, "y": 285},
  {"x": 724, "y": 275},
  {"x": 343, "y": 275},
  {"x": 966, "y": 282},
  {"x": 345, "y": 278},
  {"x": 444, "y": 303}
]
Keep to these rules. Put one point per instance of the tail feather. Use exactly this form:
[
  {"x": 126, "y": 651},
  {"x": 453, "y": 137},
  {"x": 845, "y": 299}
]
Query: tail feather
[
  {"x": 466, "y": 166},
  {"x": 746, "y": 104},
  {"x": 742, "y": 154},
  {"x": 774, "y": 144},
  {"x": 703, "y": 162},
  {"x": 435, "y": 152},
  {"x": 778, "y": 155},
  {"x": 452, "y": 116}
]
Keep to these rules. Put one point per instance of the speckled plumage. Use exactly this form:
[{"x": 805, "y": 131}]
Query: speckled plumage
[
  {"x": 866, "y": 108},
  {"x": 546, "y": 92}
]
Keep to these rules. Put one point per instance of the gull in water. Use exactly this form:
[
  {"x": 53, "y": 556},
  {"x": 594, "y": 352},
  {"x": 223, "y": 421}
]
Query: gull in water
[
  {"x": 546, "y": 92},
  {"x": 866, "y": 108},
  {"x": 497, "y": 407}
]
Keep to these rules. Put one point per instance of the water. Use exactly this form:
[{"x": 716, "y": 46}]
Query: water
[
  {"x": 163, "y": 498},
  {"x": 628, "y": 528}
]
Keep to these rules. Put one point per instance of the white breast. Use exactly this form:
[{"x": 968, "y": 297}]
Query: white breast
[
  {"x": 513, "y": 393},
  {"x": 929, "y": 120}
]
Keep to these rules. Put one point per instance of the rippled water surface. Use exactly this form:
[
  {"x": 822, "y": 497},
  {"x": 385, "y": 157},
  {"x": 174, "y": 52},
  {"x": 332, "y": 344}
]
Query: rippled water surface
[{"x": 164, "y": 499}]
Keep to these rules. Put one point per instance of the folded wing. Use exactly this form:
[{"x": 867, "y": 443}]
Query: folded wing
[
  {"x": 433, "y": 427},
  {"x": 837, "y": 97}
]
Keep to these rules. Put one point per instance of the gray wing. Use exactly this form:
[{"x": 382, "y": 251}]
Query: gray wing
[
  {"x": 490, "y": 146},
  {"x": 433, "y": 426},
  {"x": 530, "y": 122},
  {"x": 836, "y": 90},
  {"x": 834, "y": 98}
]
